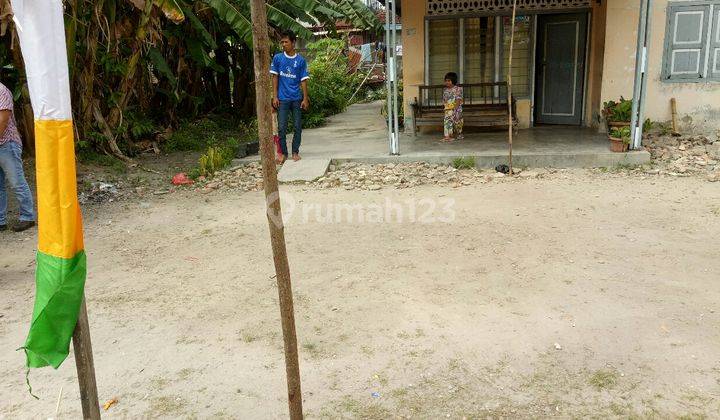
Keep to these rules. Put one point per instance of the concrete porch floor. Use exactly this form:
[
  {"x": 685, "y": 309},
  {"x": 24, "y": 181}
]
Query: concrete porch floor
[{"x": 360, "y": 135}]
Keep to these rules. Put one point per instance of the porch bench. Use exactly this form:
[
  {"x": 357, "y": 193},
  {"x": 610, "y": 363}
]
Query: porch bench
[{"x": 484, "y": 105}]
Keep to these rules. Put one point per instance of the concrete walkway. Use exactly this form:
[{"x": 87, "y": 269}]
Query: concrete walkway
[{"x": 360, "y": 135}]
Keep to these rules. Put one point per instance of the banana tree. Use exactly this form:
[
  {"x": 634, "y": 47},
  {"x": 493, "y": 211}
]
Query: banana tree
[
  {"x": 172, "y": 11},
  {"x": 295, "y": 15}
]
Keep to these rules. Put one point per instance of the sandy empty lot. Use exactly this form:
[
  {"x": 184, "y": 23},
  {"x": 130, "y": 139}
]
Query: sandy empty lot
[{"x": 576, "y": 295}]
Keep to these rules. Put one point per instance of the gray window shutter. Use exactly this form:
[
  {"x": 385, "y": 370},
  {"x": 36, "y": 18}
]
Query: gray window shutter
[
  {"x": 686, "y": 42},
  {"x": 714, "y": 59}
]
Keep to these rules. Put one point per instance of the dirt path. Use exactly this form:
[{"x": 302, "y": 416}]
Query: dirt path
[{"x": 584, "y": 294}]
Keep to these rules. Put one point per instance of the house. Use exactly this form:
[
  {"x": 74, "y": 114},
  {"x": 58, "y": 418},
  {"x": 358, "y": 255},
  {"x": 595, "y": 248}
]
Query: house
[{"x": 570, "y": 56}]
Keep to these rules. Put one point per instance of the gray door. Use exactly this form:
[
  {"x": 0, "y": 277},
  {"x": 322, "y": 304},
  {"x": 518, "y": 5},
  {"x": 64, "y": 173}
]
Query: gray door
[{"x": 561, "y": 68}]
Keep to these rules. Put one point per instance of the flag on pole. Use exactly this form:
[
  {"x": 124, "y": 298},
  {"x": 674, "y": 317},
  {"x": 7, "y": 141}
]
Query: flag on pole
[{"x": 61, "y": 264}]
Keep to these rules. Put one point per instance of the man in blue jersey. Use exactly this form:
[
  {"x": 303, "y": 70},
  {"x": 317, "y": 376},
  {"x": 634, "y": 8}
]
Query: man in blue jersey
[{"x": 289, "y": 75}]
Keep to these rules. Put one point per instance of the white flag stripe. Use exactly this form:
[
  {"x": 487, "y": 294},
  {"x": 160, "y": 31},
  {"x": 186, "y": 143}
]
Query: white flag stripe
[{"x": 41, "y": 30}]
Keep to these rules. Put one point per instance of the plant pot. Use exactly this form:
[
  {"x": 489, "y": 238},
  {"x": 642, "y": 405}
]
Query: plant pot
[{"x": 618, "y": 145}]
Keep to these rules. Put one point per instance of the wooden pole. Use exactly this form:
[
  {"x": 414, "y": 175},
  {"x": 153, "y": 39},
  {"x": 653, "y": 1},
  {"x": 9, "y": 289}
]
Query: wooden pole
[
  {"x": 263, "y": 93},
  {"x": 673, "y": 108},
  {"x": 85, "y": 366},
  {"x": 509, "y": 89}
]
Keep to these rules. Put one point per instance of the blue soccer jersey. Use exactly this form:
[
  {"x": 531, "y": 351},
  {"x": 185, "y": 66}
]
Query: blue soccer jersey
[{"x": 291, "y": 71}]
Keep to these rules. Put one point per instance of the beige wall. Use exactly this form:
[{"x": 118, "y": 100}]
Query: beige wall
[
  {"x": 413, "y": 22},
  {"x": 698, "y": 103},
  {"x": 595, "y": 64}
]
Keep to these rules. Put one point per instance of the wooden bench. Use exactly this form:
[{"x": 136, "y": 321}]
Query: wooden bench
[{"x": 484, "y": 105}]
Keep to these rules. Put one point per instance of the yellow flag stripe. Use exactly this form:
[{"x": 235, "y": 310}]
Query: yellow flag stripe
[{"x": 59, "y": 218}]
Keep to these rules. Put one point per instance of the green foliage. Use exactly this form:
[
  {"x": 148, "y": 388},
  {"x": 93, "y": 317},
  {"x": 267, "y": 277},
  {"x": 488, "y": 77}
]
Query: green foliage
[
  {"x": 211, "y": 131},
  {"x": 622, "y": 133},
  {"x": 401, "y": 101},
  {"x": 664, "y": 128},
  {"x": 90, "y": 156},
  {"x": 375, "y": 94},
  {"x": 138, "y": 68},
  {"x": 618, "y": 111},
  {"x": 467, "y": 162},
  {"x": 289, "y": 14},
  {"x": 648, "y": 125},
  {"x": 137, "y": 126},
  {"x": 330, "y": 85},
  {"x": 215, "y": 159}
]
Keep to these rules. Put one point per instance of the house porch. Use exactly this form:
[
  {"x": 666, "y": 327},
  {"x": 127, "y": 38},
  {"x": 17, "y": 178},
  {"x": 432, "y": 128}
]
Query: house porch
[{"x": 360, "y": 135}]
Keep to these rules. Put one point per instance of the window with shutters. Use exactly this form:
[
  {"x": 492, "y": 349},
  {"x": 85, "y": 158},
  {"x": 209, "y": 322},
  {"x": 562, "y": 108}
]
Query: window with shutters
[{"x": 692, "y": 42}]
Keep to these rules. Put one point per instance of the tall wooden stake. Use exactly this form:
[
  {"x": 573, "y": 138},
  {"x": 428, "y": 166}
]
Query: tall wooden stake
[
  {"x": 261, "y": 55},
  {"x": 85, "y": 366},
  {"x": 509, "y": 89}
]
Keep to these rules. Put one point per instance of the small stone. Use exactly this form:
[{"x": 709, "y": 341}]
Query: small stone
[
  {"x": 374, "y": 187},
  {"x": 529, "y": 174},
  {"x": 558, "y": 346}
]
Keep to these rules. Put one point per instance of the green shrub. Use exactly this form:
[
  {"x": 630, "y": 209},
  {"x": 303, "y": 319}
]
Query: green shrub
[
  {"x": 330, "y": 85},
  {"x": 214, "y": 159},
  {"x": 213, "y": 130},
  {"x": 467, "y": 162}
]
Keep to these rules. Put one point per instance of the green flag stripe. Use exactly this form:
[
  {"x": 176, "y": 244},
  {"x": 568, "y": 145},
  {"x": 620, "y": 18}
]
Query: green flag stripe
[{"x": 59, "y": 293}]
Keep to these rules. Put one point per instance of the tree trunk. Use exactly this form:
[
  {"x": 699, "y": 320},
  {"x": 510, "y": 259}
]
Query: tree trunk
[{"x": 261, "y": 45}]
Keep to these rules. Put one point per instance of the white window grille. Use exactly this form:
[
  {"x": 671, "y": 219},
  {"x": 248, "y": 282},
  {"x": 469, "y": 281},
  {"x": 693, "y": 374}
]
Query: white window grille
[{"x": 451, "y": 7}]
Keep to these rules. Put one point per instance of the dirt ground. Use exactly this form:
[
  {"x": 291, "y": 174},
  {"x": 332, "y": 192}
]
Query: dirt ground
[{"x": 580, "y": 294}]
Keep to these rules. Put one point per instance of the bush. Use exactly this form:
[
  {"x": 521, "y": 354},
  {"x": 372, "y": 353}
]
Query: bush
[
  {"x": 464, "y": 162},
  {"x": 212, "y": 131},
  {"x": 215, "y": 159},
  {"x": 330, "y": 85}
]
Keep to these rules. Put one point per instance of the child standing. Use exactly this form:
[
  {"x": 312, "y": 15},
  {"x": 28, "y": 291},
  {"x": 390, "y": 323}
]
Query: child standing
[{"x": 452, "y": 101}]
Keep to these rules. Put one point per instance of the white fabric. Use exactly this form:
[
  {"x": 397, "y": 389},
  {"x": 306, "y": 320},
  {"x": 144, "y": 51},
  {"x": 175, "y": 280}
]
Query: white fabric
[{"x": 41, "y": 30}]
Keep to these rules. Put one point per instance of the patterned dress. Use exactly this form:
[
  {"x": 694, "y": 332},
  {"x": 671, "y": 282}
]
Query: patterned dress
[{"x": 453, "y": 122}]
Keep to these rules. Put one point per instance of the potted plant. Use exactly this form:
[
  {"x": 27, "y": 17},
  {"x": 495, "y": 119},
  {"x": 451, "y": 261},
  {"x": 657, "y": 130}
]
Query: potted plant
[
  {"x": 618, "y": 114},
  {"x": 619, "y": 139}
]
